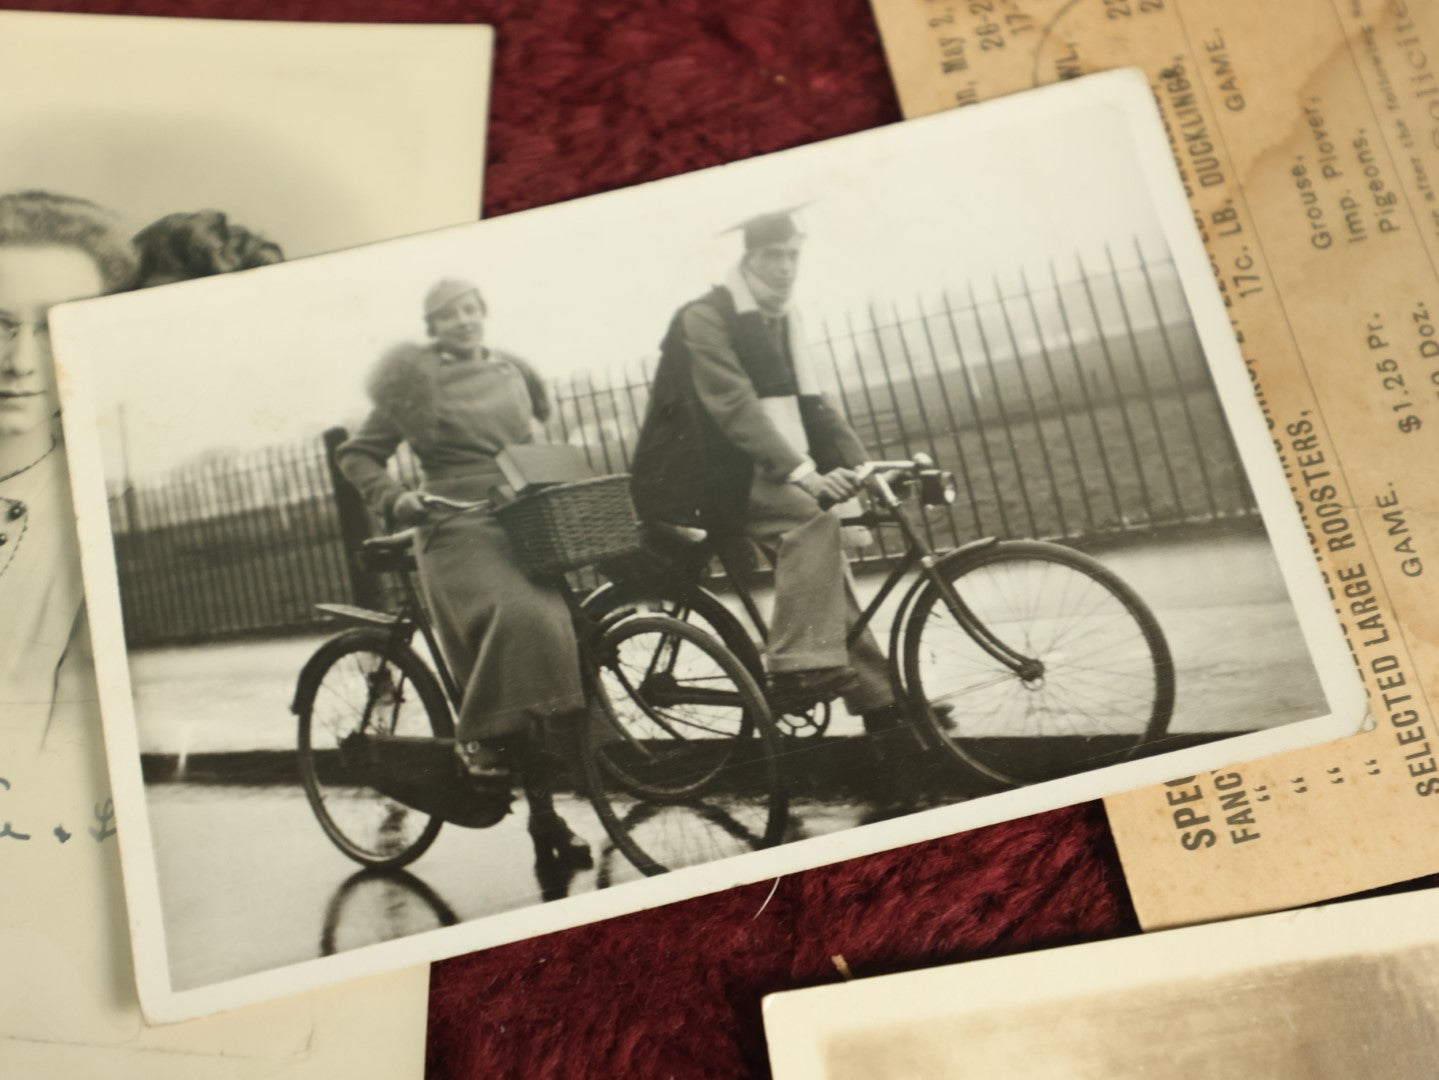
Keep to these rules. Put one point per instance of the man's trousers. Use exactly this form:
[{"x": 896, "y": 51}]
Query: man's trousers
[{"x": 814, "y": 604}]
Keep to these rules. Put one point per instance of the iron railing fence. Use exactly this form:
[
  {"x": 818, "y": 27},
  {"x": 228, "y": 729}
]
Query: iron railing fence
[
  {"x": 1066, "y": 409},
  {"x": 1072, "y": 407}
]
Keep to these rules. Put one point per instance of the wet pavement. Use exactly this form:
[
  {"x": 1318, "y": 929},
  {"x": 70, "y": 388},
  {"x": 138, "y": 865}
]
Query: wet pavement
[{"x": 249, "y": 882}]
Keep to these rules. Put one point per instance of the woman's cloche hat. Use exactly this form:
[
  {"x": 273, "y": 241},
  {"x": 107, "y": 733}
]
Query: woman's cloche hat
[{"x": 446, "y": 291}]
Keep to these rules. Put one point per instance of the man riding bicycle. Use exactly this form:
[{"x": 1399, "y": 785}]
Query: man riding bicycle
[{"x": 739, "y": 440}]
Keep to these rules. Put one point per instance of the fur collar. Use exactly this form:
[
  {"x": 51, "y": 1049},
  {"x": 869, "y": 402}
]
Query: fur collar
[{"x": 402, "y": 386}]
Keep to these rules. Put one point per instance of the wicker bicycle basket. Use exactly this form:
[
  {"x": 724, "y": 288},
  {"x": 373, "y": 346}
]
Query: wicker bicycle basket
[{"x": 565, "y": 527}]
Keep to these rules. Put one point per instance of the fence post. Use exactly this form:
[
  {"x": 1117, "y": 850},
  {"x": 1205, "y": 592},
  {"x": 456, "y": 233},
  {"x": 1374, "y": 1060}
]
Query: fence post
[{"x": 354, "y": 524}]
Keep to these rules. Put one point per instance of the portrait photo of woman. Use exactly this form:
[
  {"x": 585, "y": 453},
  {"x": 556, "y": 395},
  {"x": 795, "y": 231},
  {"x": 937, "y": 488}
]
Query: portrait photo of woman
[{"x": 53, "y": 248}]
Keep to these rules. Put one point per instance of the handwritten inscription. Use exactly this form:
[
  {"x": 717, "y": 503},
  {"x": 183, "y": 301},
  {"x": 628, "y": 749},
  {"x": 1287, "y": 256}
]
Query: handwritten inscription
[
  {"x": 105, "y": 819},
  {"x": 102, "y": 829}
]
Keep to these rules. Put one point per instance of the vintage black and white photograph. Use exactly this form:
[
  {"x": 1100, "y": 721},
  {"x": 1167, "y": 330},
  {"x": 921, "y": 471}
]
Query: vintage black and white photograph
[
  {"x": 1327, "y": 993},
  {"x": 602, "y": 555}
]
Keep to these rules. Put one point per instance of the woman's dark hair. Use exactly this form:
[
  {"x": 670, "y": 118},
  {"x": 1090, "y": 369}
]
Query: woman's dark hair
[
  {"x": 44, "y": 218},
  {"x": 179, "y": 247}
]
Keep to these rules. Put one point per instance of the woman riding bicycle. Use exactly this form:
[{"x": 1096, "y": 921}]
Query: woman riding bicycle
[{"x": 509, "y": 641}]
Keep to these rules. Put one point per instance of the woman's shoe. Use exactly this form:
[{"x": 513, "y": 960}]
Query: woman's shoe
[
  {"x": 483, "y": 762},
  {"x": 556, "y": 841}
]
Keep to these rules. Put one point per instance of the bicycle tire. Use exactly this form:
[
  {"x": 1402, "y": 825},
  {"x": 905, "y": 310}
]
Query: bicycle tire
[
  {"x": 697, "y": 605},
  {"x": 679, "y": 600},
  {"x": 742, "y": 807},
  {"x": 672, "y": 741},
  {"x": 340, "y": 688},
  {"x": 1108, "y": 687}
]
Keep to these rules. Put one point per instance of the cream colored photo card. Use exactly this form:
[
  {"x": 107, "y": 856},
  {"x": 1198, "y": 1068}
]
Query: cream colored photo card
[
  {"x": 135, "y": 151},
  {"x": 1321, "y": 994}
]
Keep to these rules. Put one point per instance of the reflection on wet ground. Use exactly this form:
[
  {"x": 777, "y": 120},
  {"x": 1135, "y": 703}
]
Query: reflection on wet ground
[{"x": 249, "y": 882}]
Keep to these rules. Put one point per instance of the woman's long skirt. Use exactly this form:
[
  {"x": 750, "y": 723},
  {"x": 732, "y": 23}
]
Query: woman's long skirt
[{"x": 509, "y": 642}]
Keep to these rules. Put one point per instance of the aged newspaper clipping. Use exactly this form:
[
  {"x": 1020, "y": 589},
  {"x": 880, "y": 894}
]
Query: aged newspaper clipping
[{"x": 1308, "y": 137}]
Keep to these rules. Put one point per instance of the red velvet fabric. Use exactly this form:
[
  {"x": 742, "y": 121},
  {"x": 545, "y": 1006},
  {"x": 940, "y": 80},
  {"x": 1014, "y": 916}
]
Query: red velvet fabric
[
  {"x": 591, "y": 95},
  {"x": 676, "y": 991}
]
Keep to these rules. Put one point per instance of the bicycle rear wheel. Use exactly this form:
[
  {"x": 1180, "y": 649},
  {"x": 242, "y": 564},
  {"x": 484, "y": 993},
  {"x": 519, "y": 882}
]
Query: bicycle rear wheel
[
  {"x": 1107, "y": 686},
  {"x": 699, "y": 607},
  {"x": 669, "y": 795},
  {"x": 363, "y": 684},
  {"x": 679, "y": 718}
]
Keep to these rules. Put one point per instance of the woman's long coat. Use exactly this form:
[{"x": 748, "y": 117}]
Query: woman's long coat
[{"x": 508, "y": 641}]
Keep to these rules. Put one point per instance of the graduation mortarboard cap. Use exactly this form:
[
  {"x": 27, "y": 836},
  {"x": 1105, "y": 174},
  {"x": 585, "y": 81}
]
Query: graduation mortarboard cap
[{"x": 772, "y": 227}]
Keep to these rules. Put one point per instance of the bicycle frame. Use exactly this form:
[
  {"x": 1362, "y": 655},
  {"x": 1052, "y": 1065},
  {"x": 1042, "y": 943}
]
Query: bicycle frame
[
  {"x": 412, "y": 617},
  {"x": 917, "y": 553},
  {"x": 875, "y": 477}
]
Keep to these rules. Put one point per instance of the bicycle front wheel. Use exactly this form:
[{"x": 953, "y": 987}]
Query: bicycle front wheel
[
  {"x": 673, "y": 785},
  {"x": 362, "y": 685},
  {"x": 1107, "y": 681}
]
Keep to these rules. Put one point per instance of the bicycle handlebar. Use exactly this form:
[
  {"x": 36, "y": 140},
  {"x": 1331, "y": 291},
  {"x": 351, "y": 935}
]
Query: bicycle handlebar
[
  {"x": 867, "y": 472},
  {"x": 879, "y": 470}
]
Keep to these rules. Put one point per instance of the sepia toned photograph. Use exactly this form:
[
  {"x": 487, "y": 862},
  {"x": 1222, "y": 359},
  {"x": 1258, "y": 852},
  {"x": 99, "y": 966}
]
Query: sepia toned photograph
[
  {"x": 1322, "y": 994},
  {"x": 606, "y": 554}
]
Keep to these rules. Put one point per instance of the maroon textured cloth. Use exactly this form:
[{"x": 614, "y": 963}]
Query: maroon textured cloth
[
  {"x": 675, "y": 992},
  {"x": 591, "y": 95}
]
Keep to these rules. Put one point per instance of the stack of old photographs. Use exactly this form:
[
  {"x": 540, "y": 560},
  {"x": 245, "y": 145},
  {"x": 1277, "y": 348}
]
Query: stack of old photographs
[
  {"x": 522, "y": 528},
  {"x": 1077, "y": 559}
]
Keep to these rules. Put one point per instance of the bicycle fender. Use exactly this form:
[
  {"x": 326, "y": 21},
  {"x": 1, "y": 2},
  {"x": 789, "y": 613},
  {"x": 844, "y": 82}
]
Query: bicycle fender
[
  {"x": 308, "y": 680},
  {"x": 611, "y": 595},
  {"x": 305, "y": 682},
  {"x": 598, "y": 599}
]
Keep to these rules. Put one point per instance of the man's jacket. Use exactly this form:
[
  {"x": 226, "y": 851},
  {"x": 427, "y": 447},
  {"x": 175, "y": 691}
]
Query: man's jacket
[{"x": 732, "y": 396}]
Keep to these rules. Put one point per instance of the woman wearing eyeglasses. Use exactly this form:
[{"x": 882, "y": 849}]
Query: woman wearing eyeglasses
[{"x": 52, "y": 249}]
